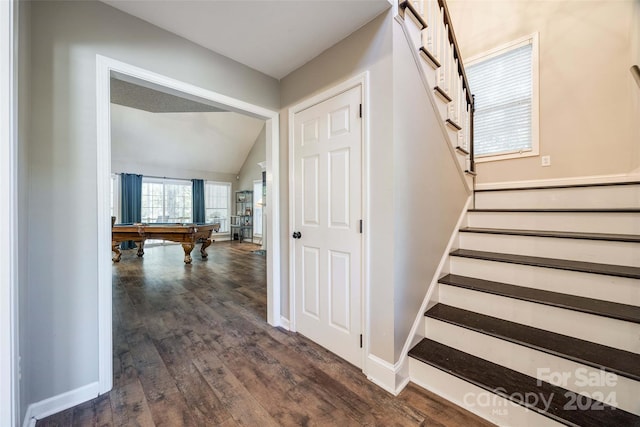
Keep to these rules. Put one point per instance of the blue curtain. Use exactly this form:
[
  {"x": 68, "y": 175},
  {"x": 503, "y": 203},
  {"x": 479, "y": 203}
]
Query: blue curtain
[
  {"x": 197, "y": 194},
  {"x": 131, "y": 202}
]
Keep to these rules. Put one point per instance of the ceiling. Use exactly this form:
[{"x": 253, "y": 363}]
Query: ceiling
[{"x": 271, "y": 36}]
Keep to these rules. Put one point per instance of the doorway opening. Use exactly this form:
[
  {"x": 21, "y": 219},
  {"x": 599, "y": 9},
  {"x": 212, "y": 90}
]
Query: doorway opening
[{"x": 106, "y": 69}]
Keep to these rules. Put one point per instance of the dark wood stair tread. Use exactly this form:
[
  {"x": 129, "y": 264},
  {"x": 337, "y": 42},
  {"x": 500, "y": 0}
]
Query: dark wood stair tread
[
  {"x": 512, "y": 385},
  {"x": 557, "y": 234},
  {"x": 560, "y": 210},
  {"x": 556, "y": 187},
  {"x": 442, "y": 94},
  {"x": 614, "y": 310},
  {"x": 430, "y": 57},
  {"x": 610, "y": 359},
  {"x": 561, "y": 264},
  {"x": 409, "y": 5}
]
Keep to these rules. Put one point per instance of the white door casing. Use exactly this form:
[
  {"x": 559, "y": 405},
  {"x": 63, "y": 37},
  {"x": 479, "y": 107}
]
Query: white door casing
[{"x": 327, "y": 209}]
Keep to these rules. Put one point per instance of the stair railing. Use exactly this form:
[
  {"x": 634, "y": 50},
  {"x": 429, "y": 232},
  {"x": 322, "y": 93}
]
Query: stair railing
[{"x": 441, "y": 48}]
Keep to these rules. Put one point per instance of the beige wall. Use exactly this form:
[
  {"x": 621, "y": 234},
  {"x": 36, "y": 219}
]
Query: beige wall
[
  {"x": 635, "y": 87},
  {"x": 586, "y": 105},
  {"x": 369, "y": 48},
  {"x": 60, "y": 350}
]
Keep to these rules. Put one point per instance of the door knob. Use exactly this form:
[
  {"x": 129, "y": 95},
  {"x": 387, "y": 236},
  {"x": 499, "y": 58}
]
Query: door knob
[{"x": 297, "y": 235}]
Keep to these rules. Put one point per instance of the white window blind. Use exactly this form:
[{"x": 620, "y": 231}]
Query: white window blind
[
  {"x": 257, "y": 208},
  {"x": 217, "y": 199},
  {"x": 503, "y": 89},
  {"x": 165, "y": 200}
]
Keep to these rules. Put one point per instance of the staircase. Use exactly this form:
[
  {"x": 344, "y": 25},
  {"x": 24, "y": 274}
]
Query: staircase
[
  {"x": 427, "y": 26},
  {"x": 537, "y": 319}
]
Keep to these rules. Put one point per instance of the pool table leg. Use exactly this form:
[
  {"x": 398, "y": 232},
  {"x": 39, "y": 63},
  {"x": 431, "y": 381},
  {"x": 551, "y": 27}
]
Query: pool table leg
[
  {"x": 188, "y": 247},
  {"x": 140, "y": 248},
  {"x": 115, "y": 247},
  {"x": 203, "y": 249}
]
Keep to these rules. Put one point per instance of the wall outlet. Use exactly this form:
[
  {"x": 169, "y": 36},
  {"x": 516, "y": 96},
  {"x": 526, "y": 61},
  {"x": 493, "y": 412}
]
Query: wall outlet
[{"x": 546, "y": 161}]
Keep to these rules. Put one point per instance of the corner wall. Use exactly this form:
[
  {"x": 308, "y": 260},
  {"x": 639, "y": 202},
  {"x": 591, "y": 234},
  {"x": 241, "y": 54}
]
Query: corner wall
[
  {"x": 586, "y": 120},
  {"x": 60, "y": 343}
]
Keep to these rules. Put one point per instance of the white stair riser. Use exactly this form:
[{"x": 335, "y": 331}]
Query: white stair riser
[
  {"x": 475, "y": 399},
  {"x": 546, "y": 367},
  {"x": 599, "y": 329},
  {"x": 588, "y": 222},
  {"x": 610, "y": 196},
  {"x": 622, "y": 290},
  {"x": 596, "y": 251}
]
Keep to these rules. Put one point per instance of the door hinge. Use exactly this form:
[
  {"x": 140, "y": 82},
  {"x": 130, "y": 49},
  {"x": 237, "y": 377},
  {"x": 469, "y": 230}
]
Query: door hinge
[
  {"x": 360, "y": 110},
  {"x": 360, "y": 226},
  {"x": 360, "y": 340}
]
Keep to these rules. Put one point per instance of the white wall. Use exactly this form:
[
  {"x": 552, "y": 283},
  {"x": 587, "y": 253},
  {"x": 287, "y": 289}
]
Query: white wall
[
  {"x": 369, "y": 48},
  {"x": 587, "y": 119},
  {"x": 250, "y": 170},
  {"x": 61, "y": 348},
  {"x": 211, "y": 142},
  {"x": 429, "y": 191}
]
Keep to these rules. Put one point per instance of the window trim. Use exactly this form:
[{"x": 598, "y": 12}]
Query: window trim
[{"x": 532, "y": 39}]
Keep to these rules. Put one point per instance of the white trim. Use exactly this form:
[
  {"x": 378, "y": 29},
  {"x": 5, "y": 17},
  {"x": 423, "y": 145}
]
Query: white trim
[
  {"x": 419, "y": 320},
  {"x": 386, "y": 375},
  {"x": 53, "y": 405},
  {"x": 534, "y": 40},
  {"x": 554, "y": 182},
  {"x": 104, "y": 67},
  {"x": 284, "y": 323},
  {"x": 361, "y": 80},
  {"x": 9, "y": 367}
]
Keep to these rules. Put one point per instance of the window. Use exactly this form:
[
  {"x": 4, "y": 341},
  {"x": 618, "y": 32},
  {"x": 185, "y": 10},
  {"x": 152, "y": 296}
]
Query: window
[
  {"x": 115, "y": 196},
  {"x": 166, "y": 200},
  {"x": 258, "y": 201},
  {"x": 505, "y": 84},
  {"x": 217, "y": 199}
]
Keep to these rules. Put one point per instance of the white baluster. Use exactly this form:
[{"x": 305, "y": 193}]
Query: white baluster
[
  {"x": 430, "y": 27},
  {"x": 462, "y": 120}
]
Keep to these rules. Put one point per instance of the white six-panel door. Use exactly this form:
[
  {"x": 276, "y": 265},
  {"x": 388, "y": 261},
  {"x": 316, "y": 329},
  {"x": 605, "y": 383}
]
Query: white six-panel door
[{"x": 327, "y": 153}]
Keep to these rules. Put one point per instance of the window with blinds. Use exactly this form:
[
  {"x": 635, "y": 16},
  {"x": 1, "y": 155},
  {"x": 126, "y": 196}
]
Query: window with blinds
[
  {"x": 217, "y": 200},
  {"x": 504, "y": 83}
]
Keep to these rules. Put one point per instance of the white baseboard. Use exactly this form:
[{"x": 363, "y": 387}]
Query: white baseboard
[
  {"x": 55, "y": 404},
  {"x": 391, "y": 378},
  {"x": 284, "y": 323},
  {"x": 581, "y": 180}
]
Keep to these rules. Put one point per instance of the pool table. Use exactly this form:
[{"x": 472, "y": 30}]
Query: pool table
[{"x": 186, "y": 234}]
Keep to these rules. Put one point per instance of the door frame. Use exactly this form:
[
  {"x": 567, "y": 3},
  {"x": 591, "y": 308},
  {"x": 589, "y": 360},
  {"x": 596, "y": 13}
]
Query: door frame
[
  {"x": 361, "y": 80},
  {"x": 9, "y": 330},
  {"x": 104, "y": 68}
]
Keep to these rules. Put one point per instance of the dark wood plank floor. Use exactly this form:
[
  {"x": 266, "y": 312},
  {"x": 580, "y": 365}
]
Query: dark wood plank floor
[{"x": 192, "y": 348}]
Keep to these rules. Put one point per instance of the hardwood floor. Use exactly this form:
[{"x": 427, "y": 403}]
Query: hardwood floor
[{"x": 192, "y": 348}]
